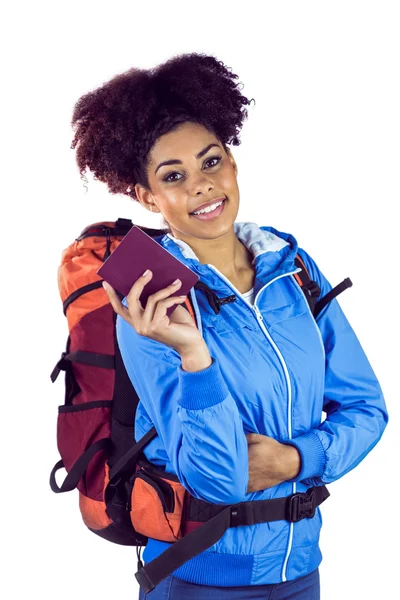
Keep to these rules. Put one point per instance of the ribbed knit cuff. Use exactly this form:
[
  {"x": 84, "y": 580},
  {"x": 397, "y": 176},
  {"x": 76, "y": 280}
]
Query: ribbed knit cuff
[
  {"x": 313, "y": 458},
  {"x": 202, "y": 389}
]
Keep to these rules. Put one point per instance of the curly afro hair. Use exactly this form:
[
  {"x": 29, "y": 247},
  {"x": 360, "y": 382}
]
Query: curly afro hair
[{"x": 117, "y": 124}]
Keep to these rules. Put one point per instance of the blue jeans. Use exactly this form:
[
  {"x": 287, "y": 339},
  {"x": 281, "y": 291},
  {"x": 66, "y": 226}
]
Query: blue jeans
[{"x": 171, "y": 588}]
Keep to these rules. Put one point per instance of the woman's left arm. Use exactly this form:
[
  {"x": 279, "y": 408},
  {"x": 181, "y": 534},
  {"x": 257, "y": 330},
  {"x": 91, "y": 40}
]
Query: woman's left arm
[{"x": 353, "y": 399}]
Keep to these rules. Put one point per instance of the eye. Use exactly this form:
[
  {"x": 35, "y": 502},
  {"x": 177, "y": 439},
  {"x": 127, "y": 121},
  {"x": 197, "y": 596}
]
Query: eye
[
  {"x": 217, "y": 158},
  {"x": 167, "y": 177}
]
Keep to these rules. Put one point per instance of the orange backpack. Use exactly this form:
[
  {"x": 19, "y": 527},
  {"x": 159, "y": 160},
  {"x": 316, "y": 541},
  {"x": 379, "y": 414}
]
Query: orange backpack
[{"x": 122, "y": 496}]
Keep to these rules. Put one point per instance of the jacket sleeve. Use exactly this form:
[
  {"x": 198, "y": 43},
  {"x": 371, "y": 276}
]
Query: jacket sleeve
[
  {"x": 194, "y": 414},
  {"x": 356, "y": 414}
]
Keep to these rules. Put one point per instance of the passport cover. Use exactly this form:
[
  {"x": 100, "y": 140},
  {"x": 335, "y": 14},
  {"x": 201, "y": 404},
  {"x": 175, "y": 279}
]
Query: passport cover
[{"x": 137, "y": 252}]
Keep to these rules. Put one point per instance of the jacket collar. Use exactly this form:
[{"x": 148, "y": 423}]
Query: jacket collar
[{"x": 273, "y": 255}]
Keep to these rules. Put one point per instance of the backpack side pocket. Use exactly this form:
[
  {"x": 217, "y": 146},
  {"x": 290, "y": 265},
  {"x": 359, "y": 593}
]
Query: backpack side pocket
[
  {"x": 79, "y": 426},
  {"x": 157, "y": 506}
]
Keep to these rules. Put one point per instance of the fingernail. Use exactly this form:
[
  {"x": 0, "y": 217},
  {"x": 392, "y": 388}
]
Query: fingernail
[
  {"x": 176, "y": 281},
  {"x": 105, "y": 285},
  {"x": 145, "y": 273}
]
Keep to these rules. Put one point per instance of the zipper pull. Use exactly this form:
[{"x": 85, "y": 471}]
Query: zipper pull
[
  {"x": 258, "y": 314},
  {"x": 139, "y": 562}
]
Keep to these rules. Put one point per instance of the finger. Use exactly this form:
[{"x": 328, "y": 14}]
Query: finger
[
  {"x": 150, "y": 324},
  {"x": 253, "y": 438},
  {"x": 136, "y": 309},
  {"x": 136, "y": 290},
  {"x": 161, "y": 309},
  {"x": 155, "y": 299},
  {"x": 115, "y": 302}
]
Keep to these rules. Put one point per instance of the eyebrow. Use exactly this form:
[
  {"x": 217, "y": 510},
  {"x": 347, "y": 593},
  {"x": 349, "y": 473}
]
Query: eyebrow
[{"x": 174, "y": 161}]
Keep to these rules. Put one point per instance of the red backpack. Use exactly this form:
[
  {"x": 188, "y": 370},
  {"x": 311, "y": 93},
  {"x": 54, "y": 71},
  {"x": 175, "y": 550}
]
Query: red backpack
[{"x": 122, "y": 496}]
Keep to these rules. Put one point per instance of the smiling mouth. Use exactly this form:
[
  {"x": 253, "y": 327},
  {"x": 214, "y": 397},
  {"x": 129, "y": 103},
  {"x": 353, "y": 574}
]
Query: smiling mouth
[
  {"x": 209, "y": 212},
  {"x": 210, "y": 216}
]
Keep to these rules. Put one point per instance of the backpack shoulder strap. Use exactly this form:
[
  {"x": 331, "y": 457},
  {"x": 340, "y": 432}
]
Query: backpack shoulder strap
[
  {"x": 309, "y": 287},
  {"x": 312, "y": 290},
  {"x": 188, "y": 306}
]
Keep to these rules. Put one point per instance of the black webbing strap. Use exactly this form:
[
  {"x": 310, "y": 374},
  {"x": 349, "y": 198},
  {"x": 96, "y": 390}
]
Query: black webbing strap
[
  {"x": 93, "y": 359},
  {"x": 120, "y": 229},
  {"x": 338, "y": 289},
  {"x": 80, "y": 466},
  {"x": 83, "y": 290},
  {"x": 310, "y": 288},
  {"x": 290, "y": 508},
  {"x": 128, "y": 459}
]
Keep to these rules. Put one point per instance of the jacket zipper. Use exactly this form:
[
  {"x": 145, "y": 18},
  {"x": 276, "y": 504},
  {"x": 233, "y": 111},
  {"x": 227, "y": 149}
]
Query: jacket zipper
[{"x": 260, "y": 320}]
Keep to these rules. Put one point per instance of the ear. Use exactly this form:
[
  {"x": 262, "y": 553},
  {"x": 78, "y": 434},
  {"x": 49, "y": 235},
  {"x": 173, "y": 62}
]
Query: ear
[{"x": 145, "y": 198}]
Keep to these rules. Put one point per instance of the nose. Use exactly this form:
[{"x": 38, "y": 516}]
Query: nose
[{"x": 202, "y": 186}]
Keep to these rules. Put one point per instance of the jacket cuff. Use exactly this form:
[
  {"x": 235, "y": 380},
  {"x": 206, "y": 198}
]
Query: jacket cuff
[
  {"x": 202, "y": 389},
  {"x": 312, "y": 453}
]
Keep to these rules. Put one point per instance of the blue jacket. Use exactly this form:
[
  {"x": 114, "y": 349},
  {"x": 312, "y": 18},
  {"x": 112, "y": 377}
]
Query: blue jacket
[{"x": 275, "y": 371}]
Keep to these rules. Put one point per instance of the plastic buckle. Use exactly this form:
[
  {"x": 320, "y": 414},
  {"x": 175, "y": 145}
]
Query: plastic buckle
[
  {"x": 312, "y": 288},
  {"x": 302, "y": 506}
]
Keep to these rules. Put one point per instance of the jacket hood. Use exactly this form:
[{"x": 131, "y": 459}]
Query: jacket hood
[{"x": 273, "y": 253}]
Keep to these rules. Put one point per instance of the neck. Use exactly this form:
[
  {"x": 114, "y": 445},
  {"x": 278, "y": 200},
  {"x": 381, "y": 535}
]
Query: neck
[{"x": 227, "y": 253}]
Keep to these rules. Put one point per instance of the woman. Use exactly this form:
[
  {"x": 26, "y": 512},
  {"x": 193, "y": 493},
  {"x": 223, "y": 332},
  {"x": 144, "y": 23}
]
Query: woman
[{"x": 236, "y": 398}]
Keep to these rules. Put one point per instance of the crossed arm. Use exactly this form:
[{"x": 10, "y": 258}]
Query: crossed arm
[{"x": 356, "y": 413}]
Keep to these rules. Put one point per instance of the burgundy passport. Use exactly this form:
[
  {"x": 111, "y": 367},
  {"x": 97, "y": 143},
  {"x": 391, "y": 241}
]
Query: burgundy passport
[{"x": 137, "y": 252}]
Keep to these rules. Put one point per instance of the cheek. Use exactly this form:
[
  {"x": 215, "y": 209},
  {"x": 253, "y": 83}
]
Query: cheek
[
  {"x": 228, "y": 179},
  {"x": 230, "y": 187},
  {"x": 173, "y": 204}
]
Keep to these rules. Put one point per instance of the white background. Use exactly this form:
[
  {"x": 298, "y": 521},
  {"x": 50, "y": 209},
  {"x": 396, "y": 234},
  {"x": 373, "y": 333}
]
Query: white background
[{"x": 319, "y": 158}]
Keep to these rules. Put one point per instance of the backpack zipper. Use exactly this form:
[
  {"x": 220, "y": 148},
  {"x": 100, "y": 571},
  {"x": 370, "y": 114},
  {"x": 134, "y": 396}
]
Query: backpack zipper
[{"x": 147, "y": 467}]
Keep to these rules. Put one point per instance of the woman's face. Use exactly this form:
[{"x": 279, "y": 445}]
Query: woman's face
[{"x": 178, "y": 189}]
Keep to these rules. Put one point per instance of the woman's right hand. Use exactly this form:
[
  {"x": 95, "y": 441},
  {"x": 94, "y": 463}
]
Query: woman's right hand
[{"x": 178, "y": 331}]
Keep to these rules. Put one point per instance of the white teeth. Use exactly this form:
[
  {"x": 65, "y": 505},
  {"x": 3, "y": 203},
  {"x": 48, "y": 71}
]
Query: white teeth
[{"x": 208, "y": 209}]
